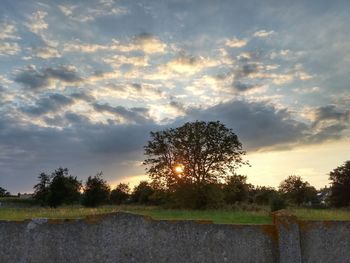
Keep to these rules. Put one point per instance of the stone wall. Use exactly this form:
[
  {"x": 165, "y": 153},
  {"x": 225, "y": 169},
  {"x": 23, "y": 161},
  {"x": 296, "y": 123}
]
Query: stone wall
[{"x": 123, "y": 237}]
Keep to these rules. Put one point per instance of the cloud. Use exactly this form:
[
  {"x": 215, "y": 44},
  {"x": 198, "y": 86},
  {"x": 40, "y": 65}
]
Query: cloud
[
  {"x": 35, "y": 79},
  {"x": 235, "y": 42},
  {"x": 53, "y": 103},
  {"x": 263, "y": 33},
  {"x": 137, "y": 115},
  {"x": 330, "y": 112},
  {"x": 37, "y": 22},
  {"x": 9, "y": 49},
  {"x": 118, "y": 60},
  {"x": 259, "y": 125},
  {"x": 92, "y": 12},
  {"x": 8, "y": 31},
  {"x": 186, "y": 65},
  {"x": 46, "y": 52},
  {"x": 149, "y": 44},
  {"x": 145, "y": 42}
]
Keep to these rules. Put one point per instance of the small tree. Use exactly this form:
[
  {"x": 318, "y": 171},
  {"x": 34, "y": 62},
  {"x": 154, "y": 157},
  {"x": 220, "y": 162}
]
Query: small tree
[
  {"x": 297, "y": 191},
  {"x": 120, "y": 194},
  {"x": 340, "y": 185},
  {"x": 142, "y": 193},
  {"x": 64, "y": 188},
  {"x": 236, "y": 189},
  {"x": 42, "y": 189},
  {"x": 96, "y": 191},
  {"x": 4, "y": 192},
  {"x": 263, "y": 195}
]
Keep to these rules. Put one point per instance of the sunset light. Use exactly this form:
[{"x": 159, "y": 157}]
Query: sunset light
[{"x": 179, "y": 169}]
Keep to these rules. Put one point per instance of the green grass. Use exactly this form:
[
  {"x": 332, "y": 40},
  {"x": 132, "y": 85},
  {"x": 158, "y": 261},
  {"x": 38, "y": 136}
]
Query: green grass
[
  {"x": 223, "y": 216},
  {"x": 217, "y": 216},
  {"x": 322, "y": 214},
  {"x": 71, "y": 212}
]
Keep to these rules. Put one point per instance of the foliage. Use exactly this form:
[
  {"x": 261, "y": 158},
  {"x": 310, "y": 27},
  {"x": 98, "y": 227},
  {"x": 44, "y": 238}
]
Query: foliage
[
  {"x": 120, "y": 194},
  {"x": 340, "y": 185},
  {"x": 64, "y": 188},
  {"x": 207, "y": 152},
  {"x": 263, "y": 195},
  {"x": 277, "y": 203},
  {"x": 4, "y": 192},
  {"x": 190, "y": 196},
  {"x": 57, "y": 189},
  {"x": 297, "y": 191},
  {"x": 236, "y": 189},
  {"x": 142, "y": 193},
  {"x": 42, "y": 189},
  {"x": 96, "y": 191}
]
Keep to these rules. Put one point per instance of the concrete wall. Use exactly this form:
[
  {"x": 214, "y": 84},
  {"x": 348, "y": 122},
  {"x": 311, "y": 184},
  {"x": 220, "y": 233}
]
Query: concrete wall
[
  {"x": 123, "y": 237},
  {"x": 326, "y": 241}
]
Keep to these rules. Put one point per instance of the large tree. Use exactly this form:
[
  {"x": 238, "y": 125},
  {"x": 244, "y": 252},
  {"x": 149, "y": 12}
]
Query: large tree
[
  {"x": 196, "y": 153},
  {"x": 340, "y": 185}
]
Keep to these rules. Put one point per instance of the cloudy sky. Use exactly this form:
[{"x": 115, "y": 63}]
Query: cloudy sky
[{"x": 82, "y": 83}]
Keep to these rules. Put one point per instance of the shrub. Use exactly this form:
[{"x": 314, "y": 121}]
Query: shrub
[{"x": 277, "y": 203}]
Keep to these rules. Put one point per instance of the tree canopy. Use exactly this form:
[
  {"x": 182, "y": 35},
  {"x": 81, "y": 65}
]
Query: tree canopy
[
  {"x": 198, "y": 152},
  {"x": 340, "y": 185},
  {"x": 96, "y": 191},
  {"x": 59, "y": 188},
  {"x": 297, "y": 191}
]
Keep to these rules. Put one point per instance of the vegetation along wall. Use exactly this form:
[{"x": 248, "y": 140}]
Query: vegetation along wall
[{"x": 123, "y": 237}]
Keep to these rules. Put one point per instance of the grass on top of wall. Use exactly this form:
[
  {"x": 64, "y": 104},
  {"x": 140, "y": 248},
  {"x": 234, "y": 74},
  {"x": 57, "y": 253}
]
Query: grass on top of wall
[
  {"x": 72, "y": 212},
  {"x": 322, "y": 214}
]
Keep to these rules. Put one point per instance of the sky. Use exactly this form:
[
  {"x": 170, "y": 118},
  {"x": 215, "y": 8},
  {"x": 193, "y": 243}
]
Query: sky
[{"x": 82, "y": 84}]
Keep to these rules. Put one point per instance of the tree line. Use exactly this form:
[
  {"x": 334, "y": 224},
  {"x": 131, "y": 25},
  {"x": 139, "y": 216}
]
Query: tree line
[
  {"x": 193, "y": 166},
  {"x": 60, "y": 188}
]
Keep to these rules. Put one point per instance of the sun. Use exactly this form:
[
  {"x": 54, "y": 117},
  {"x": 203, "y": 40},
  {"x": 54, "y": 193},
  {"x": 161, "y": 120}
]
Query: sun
[{"x": 179, "y": 168}]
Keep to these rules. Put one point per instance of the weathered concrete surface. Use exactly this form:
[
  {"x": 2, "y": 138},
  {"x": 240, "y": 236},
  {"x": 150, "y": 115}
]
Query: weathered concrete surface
[
  {"x": 288, "y": 237},
  {"x": 123, "y": 237},
  {"x": 325, "y": 241}
]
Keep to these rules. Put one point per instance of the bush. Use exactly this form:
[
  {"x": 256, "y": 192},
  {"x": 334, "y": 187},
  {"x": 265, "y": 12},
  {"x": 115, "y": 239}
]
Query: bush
[{"x": 277, "y": 203}]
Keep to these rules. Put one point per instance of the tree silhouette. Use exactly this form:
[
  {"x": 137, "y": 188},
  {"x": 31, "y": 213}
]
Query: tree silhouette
[
  {"x": 4, "y": 192},
  {"x": 96, "y": 191},
  {"x": 42, "y": 189},
  {"x": 197, "y": 153},
  {"x": 297, "y": 191},
  {"x": 64, "y": 188},
  {"x": 340, "y": 185},
  {"x": 120, "y": 194}
]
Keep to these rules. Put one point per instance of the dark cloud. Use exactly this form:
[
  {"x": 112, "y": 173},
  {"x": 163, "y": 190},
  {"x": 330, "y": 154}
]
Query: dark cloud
[
  {"x": 257, "y": 124},
  {"x": 36, "y": 79},
  {"x": 82, "y": 96},
  {"x": 52, "y": 103},
  {"x": 133, "y": 115},
  {"x": 243, "y": 86},
  {"x": 331, "y": 112},
  {"x": 331, "y": 132}
]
